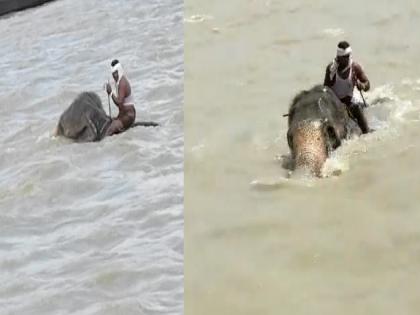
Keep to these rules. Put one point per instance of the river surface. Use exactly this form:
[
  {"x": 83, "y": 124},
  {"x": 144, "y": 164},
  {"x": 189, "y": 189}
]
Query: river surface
[
  {"x": 92, "y": 228},
  {"x": 258, "y": 242}
]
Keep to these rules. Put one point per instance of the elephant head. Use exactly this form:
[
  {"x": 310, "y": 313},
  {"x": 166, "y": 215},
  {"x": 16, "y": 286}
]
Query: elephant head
[
  {"x": 311, "y": 143},
  {"x": 84, "y": 120},
  {"x": 317, "y": 124}
]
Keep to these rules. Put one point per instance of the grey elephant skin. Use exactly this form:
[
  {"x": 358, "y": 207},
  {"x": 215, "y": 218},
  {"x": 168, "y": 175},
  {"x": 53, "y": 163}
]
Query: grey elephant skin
[
  {"x": 317, "y": 124},
  {"x": 84, "y": 120}
]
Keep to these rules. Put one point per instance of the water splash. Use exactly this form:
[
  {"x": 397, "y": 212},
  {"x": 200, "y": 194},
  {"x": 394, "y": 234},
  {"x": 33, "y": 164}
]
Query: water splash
[{"x": 387, "y": 114}]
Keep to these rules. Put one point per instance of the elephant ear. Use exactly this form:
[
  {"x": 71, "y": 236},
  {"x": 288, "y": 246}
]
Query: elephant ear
[
  {"x": 331, "y": 135},
  {"x": 290, "y": 116},
  {"x": 290, "y": 138}
]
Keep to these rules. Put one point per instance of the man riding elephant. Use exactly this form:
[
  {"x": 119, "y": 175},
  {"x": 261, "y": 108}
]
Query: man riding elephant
[
  {"x": 123, "y": 99},
  {"x": 317, "y": 123},
  {"x": 342, "y": 75},
  {"x": 86, "y": 120}
]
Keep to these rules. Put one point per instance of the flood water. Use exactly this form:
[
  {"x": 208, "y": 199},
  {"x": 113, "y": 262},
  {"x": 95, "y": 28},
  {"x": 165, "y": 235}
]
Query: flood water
[
  {"x": 94, "y": 228},
  {"x": 259, "y": 243}
]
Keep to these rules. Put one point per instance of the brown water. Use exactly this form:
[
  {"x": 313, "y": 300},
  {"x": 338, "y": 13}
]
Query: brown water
[
  {"x": 258, "y": 243},
  {"x": 91, "y": 228}
]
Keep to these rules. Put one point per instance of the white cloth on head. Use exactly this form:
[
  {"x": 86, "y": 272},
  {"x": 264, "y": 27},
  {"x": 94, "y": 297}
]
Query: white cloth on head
[
  {"x": 117, "y": 67},
  {"x": 343, "y": 52}
]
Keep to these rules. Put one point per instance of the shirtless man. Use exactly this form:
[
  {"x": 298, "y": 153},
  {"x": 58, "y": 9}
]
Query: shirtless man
[
  {"x": 342, "y": 75},
  {"x": 123, "y": 100}
]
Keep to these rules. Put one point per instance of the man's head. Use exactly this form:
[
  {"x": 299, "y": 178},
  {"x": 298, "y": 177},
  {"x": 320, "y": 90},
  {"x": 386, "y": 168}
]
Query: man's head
[
  {"x": 116, "y": 70},
  {"x": 343, "y": 54}
]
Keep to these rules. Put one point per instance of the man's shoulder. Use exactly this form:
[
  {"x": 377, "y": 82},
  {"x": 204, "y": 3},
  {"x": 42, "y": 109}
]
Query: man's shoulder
[
  {"x": 357, "y": 66},
  {"x": 124, "y": 81}
]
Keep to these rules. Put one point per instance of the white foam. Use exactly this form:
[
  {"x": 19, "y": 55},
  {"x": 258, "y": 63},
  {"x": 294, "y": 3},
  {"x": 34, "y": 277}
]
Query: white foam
[
  {"x": 282, "y": 182},
  {"x": 388, "y": 113},
  {"x": 335, "y": 165},
  {"x": 388, "y": 108},
  {"x": 198, "y": 18},
  {"x": 45, "y": 135}
]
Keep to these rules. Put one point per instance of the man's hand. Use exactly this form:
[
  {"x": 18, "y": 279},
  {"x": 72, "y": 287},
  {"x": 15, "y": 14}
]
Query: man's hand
[
  {"x": 360, "y": 86},
  {"x": 108, "y": 88}
]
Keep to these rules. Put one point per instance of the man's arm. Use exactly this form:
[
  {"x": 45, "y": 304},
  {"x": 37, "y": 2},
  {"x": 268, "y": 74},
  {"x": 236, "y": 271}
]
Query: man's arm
[
  {"x": 119, "y": 101},
  {"x": 362, "y": 80}
]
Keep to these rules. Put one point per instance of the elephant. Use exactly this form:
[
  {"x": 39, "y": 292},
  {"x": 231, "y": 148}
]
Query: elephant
[
  {"x": 85, "y": 119},
  {"x": 317, "y": 123}
]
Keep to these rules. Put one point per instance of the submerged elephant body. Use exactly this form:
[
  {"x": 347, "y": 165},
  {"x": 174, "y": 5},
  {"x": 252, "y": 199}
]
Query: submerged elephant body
[
  {"x": 317, "y": 123},
  {"x": 85, "y": 119}
]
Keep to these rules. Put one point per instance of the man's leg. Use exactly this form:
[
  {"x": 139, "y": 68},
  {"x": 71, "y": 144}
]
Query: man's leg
[
  {"x": 115, "y": 127},
  {"x": 357, "y": 113},
  {"x": 127, "y": 118}
]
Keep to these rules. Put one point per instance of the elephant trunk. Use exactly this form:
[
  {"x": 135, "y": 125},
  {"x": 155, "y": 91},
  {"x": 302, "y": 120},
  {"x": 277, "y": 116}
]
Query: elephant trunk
[{"x": 309, "y": 147}]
